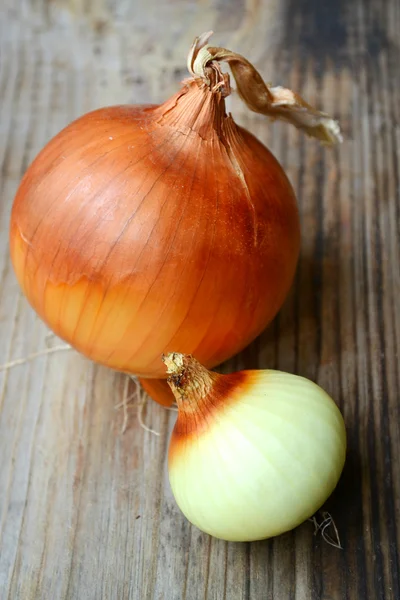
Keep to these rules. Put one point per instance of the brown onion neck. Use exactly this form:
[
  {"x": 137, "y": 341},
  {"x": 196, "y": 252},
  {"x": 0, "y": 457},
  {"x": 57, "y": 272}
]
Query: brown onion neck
[
  {"x": 194, "y": 108},
  {"x": 190, "y": 382}
]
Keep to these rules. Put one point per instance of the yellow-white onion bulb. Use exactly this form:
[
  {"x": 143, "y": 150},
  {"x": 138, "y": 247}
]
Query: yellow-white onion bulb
[{"x": 253, "y": 454}]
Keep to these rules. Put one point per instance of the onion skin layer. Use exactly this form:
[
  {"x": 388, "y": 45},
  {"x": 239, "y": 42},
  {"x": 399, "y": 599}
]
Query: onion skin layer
[
  {"x": 256, "y": 455},
  {"x": 158, "y": 390},
  {"x": 141, "y": 229}
]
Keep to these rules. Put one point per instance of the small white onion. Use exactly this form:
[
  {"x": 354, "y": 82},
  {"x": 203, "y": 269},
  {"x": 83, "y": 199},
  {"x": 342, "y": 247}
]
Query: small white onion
[{"x": 253, "y": 454}]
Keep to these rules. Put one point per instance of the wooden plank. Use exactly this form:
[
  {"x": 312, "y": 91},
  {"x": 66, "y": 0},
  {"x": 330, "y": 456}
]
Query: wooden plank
[{"x": 86, "y": 511}]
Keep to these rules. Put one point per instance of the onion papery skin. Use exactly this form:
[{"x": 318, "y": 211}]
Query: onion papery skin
[
  {"x": 158, "y": 390},
  {"x": 140, "y": 229},
  {"x": 257, "y": 456}
]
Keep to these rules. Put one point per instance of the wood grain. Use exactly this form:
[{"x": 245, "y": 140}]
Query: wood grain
[{"x": 86, "y": 512}]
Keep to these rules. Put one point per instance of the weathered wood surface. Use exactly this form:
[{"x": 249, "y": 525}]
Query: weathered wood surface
[{"x": 87, "y": 513}]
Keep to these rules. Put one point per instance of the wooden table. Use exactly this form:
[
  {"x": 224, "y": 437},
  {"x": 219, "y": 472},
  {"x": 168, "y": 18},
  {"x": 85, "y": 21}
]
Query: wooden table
[{"x": 86, "y": 512}]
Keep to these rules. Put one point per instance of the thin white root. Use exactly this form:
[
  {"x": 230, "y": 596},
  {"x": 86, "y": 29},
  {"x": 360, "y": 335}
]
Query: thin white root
[
  {"x": 124, "y": 404},
  {"x": 141, "y": 398},
  {"x": 22, "y": 361},
  {"x": 125, "y": 401},
  {"x": 327, "y": 521},
  {"x": 173, "y": 408},
  {"x": 142, "y": 401},
  {"x": 333, "y": 541},
  {"x": 142, "y": 404}
]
